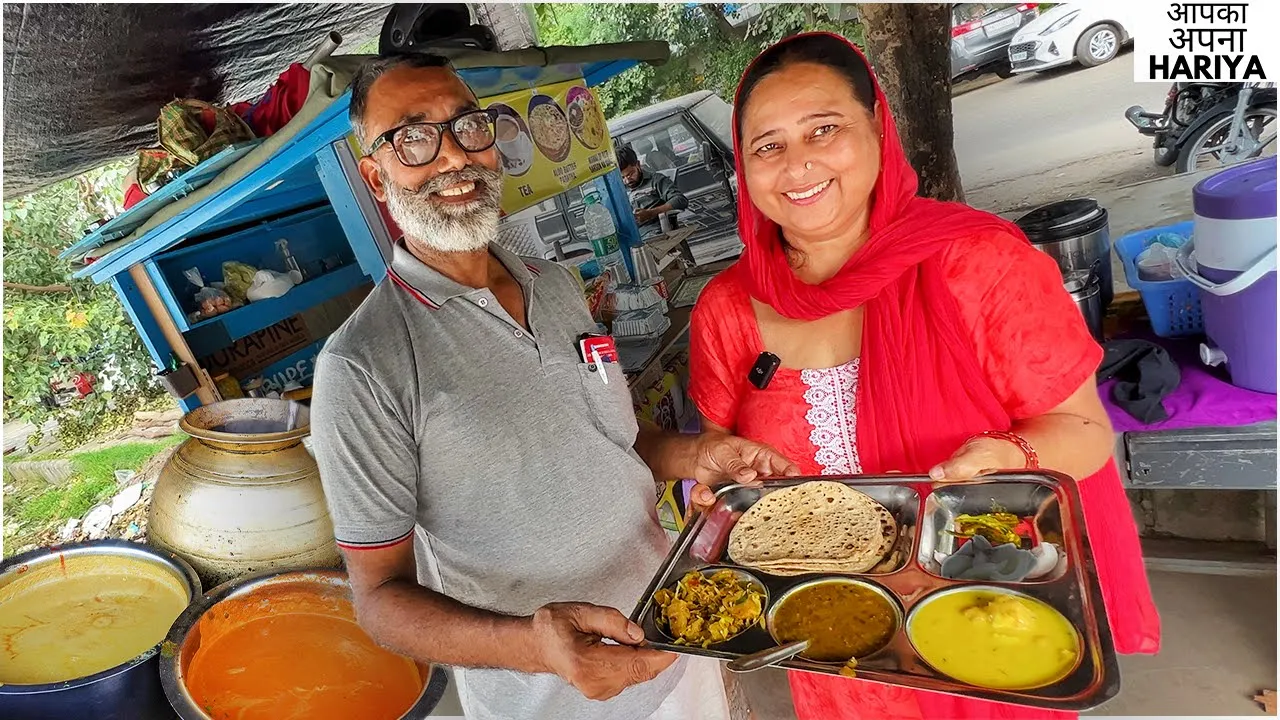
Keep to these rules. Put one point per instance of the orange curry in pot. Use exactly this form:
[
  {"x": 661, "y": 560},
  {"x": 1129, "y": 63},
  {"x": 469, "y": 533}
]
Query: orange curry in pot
[{"x": 295, "y": 652}]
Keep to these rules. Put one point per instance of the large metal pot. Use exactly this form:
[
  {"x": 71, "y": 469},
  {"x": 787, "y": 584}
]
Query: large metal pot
[
  {"x": 184, "y": 639},
  {"x": 243, "y": 495},
  {"x": 1085, "y": 291},
  {"x": 129, "y": 691},
  {"x": 1074, "y": 233}
]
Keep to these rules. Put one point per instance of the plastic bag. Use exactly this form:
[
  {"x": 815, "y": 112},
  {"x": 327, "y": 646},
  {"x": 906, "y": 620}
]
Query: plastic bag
[
  {"x": 269, "y": 284},
  {"x": 1170, "y": 239},
  {"x": 209, "y": 300},
  {"x": 237, "y": 277},
  {"x": 1156, "y": 262}
]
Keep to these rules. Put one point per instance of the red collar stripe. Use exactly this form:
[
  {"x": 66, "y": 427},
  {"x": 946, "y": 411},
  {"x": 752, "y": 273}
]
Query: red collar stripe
[
  {"x": 374, "y": 545},
  {"x": 395, "y": 278}
]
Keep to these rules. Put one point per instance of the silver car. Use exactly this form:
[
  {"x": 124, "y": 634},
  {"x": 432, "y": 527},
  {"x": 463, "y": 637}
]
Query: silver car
[
  {"x": 1087, "y": 33},
  {"x": 981, "y": 33}
]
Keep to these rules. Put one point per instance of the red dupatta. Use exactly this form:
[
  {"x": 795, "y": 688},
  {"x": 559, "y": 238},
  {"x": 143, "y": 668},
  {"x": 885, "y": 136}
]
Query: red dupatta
[{"x": 918, "y": 406}]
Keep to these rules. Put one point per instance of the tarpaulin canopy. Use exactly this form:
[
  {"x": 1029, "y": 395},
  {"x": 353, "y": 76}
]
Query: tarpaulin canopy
[{"x": 83, "y": 83}]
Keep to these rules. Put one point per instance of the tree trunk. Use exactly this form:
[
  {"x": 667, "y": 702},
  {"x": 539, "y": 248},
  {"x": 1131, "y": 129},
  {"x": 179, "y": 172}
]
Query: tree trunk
[
  {"x": 512, "y": 24},
  {"x": 909, "y": 45},
  {"x": 715, "y": 13}
]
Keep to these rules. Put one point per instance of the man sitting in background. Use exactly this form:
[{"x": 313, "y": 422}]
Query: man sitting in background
[{"x": 652, "y": 193}]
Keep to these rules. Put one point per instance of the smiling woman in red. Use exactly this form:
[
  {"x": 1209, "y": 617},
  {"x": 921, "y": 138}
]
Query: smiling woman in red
[{"x": 914, "y": 336}]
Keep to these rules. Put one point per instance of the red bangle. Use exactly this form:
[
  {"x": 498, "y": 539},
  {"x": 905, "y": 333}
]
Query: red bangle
[{"x": 1033, "y": 460}]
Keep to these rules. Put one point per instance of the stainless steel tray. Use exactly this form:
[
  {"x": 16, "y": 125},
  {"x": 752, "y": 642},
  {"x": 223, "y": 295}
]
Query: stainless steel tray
[{"x": 924, "y": 510}]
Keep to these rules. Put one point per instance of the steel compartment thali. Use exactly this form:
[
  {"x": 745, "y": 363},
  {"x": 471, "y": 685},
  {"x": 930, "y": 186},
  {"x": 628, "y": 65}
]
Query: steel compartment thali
[{"x": 924, "y": 511}]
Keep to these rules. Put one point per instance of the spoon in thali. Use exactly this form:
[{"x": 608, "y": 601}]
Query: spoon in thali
[{"x": 765, "y": 658}]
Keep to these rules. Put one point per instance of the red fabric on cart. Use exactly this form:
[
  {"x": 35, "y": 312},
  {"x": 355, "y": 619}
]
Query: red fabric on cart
[
  {"x": 281, "y": 102},
  {"x": 133, "y": 195}
]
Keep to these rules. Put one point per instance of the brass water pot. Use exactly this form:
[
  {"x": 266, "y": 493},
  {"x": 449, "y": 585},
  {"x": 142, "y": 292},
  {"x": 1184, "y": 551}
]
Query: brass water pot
[{"x": 243, "y": 494}]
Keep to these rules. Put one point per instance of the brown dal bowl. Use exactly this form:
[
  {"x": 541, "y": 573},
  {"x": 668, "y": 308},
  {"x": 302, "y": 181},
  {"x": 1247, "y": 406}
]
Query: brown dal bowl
[{"x": 890, "y": 603}]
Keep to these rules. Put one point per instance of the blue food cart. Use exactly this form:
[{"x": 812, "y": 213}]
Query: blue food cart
[{"x": 299, "y": 185}]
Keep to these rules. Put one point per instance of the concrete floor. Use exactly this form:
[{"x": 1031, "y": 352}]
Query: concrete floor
[
  {"x": 1219, "y": 650},
  {"x": 1029, "y": 140}
]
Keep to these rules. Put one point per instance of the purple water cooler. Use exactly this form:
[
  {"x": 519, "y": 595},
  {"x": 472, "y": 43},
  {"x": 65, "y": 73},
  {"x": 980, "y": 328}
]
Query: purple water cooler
[{"x": 1232, "y": 260}]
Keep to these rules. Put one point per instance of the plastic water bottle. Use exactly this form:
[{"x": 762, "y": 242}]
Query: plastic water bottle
[{"x": 603, "y": 235}]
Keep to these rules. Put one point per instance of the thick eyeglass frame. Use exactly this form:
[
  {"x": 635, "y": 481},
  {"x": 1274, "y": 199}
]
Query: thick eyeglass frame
[{"x": 449, "y": 125}]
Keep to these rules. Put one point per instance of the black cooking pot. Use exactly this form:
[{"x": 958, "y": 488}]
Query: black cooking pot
[{"x": 129, "y": 691}]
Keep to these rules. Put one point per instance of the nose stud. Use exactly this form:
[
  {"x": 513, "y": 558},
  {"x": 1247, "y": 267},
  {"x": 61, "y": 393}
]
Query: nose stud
[{"x": 808, "y": 166}]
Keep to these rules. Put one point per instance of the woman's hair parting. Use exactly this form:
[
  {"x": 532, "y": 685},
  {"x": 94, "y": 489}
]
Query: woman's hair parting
[{"x": 817, "y": 49}]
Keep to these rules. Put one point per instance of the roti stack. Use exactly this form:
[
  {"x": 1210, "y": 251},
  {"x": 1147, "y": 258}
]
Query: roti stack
[{"x": 816, "y": 527}]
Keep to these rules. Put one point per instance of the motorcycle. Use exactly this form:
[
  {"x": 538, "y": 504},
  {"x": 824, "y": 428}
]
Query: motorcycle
[{"x": 1207, "y": 125}]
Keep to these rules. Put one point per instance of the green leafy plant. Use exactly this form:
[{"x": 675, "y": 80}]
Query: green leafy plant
[
  {"x": 56, "y": 327},
  {"x": 708, "y": 49}
]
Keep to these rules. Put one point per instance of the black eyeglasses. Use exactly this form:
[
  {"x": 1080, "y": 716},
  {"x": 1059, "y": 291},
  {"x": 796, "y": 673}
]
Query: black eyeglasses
[{"x": 418, "y": 144}]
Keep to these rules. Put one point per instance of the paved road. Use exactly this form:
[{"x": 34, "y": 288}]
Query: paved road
[{"x": 1036, "y": 138}]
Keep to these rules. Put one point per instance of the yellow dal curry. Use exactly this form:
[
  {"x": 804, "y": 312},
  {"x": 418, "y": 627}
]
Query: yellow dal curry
[
  {"x": 841, "y": 621},
  {"x": 82, "y": 615},
  {"x": 995, "y": 640}
]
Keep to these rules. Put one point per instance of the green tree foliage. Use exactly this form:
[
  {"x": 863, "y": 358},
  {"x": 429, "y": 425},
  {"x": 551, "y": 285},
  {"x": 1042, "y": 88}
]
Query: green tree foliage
[
  {"x": 708, "y": 52},
  {"x": 56, "y": 327}
]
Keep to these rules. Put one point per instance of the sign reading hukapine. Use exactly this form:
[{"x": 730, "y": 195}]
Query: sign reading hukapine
[{"x": 1206, "y": 41}]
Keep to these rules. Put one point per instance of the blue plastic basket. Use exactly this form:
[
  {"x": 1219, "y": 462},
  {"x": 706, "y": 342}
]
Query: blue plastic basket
[{"x": 1172, "y": 305}]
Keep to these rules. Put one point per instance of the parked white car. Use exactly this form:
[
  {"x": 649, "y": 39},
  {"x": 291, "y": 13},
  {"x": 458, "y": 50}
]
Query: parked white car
[{"x": 1090, "y": 34}]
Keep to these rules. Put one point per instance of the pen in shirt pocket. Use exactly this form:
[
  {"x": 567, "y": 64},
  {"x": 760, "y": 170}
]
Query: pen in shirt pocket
[
  {"x": 598, "y": 350},
  {"x": 604, "y": 374}
]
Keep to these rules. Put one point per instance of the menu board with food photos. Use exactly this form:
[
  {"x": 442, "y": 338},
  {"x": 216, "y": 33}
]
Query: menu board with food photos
[{"x": 550, "y": 139}]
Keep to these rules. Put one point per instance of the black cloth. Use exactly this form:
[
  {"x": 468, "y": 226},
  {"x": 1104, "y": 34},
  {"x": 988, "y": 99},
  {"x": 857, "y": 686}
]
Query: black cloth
[{"x": 1145, "y": 375}]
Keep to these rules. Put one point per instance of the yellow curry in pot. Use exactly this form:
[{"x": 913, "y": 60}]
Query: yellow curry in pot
[{"x": 994, "y": 639}]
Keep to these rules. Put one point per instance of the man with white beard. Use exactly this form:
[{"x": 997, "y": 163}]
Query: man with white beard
[{"x": 454, "y": 405}]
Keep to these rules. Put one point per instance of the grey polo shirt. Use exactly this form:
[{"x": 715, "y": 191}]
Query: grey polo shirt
[{"x": 433, "y": 408}]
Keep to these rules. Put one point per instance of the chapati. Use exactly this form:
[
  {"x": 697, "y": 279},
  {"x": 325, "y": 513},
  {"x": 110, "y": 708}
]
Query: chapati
[{"x": 819, "y": 526}]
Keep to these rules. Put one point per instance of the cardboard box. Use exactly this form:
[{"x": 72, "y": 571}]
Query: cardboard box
[
  {"x": 246, "y": 357},
  {"x": 262, "y": 353},
  {"x": 299, "y": 367},
  {"x": 323, "y": 319}
]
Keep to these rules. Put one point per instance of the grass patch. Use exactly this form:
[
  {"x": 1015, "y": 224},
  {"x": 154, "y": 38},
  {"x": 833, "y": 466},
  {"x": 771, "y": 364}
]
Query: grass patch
[
  {"x": 94, "y": 481},
  {"x": 70, "y": 501},
  {"x": 101, "y": 464}
]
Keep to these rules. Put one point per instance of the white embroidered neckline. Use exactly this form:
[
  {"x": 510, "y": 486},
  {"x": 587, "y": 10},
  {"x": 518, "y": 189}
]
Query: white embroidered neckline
[{"x": 832, "y": 414}]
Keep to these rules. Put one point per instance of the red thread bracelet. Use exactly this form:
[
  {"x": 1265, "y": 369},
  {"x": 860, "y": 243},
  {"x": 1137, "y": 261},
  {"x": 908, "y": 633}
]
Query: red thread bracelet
[{"x": 1033, "y": 460}]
